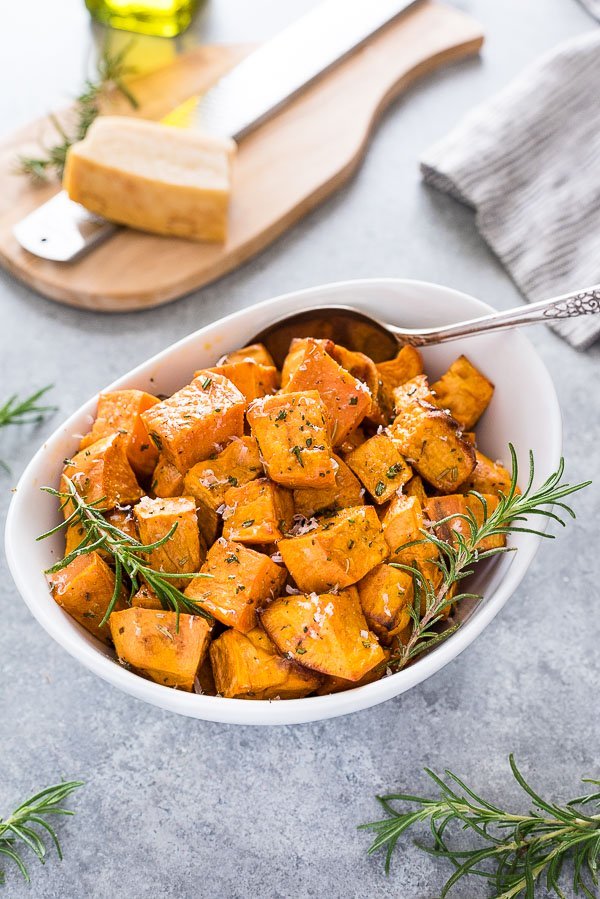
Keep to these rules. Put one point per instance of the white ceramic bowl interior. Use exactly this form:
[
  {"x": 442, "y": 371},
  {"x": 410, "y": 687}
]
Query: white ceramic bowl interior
[{"x": 524, "y": 410}]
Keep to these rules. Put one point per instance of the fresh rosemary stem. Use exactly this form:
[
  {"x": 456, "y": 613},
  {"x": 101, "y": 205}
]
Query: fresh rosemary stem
[
  {"x": 128, "y": 554},
  {"x": 22, "y": 829},
  {"x": 18, "y": 412},
  {"x": 512, "y": 851},
  {"x": 112, "y": 69},
  {"x": 456, "y": 560}
]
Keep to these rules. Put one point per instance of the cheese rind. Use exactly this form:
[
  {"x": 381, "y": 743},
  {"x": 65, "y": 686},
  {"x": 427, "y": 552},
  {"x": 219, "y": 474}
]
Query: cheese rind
[{"x": 153, "y": 177}]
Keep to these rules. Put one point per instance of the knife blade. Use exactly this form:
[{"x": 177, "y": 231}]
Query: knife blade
[{"x": 260, "y": 85}]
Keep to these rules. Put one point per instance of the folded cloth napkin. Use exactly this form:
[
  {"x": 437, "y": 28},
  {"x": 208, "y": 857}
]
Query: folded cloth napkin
[{"x": 528, "y": 162}]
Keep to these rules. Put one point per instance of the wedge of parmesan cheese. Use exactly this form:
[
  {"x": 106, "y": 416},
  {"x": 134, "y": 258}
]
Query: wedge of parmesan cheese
[{"x": 153, "y": 177}]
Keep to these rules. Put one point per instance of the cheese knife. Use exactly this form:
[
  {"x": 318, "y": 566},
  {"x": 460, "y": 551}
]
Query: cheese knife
[{"x": 261, "y": 84}]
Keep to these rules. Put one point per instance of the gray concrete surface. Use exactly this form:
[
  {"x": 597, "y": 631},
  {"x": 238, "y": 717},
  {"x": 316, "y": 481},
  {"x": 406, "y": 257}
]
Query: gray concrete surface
[{"x": 182, "y": 808}]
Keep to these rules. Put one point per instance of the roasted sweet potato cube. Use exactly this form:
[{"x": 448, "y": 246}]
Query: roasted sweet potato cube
[
  {"x": 291, "y": 431},
  {"x": 415, "y": 487},
  {"x": 386, "y": 594},
  {"x": 182, "y": 553},
  {"x": 363, "y": 369},
  {"x": 167, "y": 480},
  {"x": 256, "y": 352},
  {"x": 443, "y": 507},
  {"x": 464, "y": 391},
  {"x": 241, "y": 581},
  {"x": 380, "y": 466},
  {"x": 248, "y": 666},
  {"x": 123, "y": 518},
  {"x": 84, "y": 589},
  {"x": 346, "y": 399},
  {"x": 340, "y": 551},
  {"x": 74, "y": 534},
  {"x": 405, "y": 365},
  {"x": 251, "y": 378},
  {"x": 416, "y": 389},
  {"x": 205, "y": 681},
  {"x": 354, "y": 439},
  {"x": 488, "y": 477},
  {"x": 101, "y": 472},
  {"x": 429, "y": 441},
  {"x": 326, "y": 632},
  {"x": 298, "y": 348},
  {"x": 192, "y": 423},
  {"x": 119, "y": 411},
  {"x": 257, "y": 512},
  {"x": 209, "y": 481},
  {"x": 403, "y": 523},
  {"x": 146, "y": 598},
  {"x": 347, "y": 492},
  {"x": 340, "y": 684},
  {"x": 150, "y": 641}
]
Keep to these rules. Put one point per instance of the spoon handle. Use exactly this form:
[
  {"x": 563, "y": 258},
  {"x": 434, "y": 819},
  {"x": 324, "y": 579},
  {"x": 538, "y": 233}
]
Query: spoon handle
[{"x": 569, "y": 305}]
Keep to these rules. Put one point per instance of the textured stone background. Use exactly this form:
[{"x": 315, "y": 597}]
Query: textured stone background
[{"x": 175, "y": 807}]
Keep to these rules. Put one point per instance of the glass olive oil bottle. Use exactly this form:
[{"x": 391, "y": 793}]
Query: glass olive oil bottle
[{"x": 165, "y": 18}]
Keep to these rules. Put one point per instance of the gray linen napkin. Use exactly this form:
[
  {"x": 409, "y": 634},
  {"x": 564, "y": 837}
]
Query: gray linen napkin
[{"x": 528, "y": 162}]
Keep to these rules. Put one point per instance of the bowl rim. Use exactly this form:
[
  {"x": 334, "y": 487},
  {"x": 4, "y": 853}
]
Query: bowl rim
[{"x": 289, "y": 711}]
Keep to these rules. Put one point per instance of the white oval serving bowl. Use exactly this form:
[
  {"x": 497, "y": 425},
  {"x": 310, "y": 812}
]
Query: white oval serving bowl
[{"x": 524, "y": 411}]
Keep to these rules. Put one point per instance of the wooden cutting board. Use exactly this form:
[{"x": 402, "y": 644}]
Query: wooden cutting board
[{"x": 282, "y": 171}]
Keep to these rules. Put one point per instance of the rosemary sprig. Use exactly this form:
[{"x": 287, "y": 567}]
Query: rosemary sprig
[
  {"x": 513, "y": 851},
  {"x": 22, "y": 827},
  {"x": 19, "y": 412},
  {"x": 127, "y": 553},
  {"x": 112, "y": 69},
  {"x": 456, "y": 560}
]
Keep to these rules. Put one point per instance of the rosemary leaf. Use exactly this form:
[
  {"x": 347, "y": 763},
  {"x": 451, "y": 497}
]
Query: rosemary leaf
[
  {"x": 127, "y": 553},
  {"x": 514, "y": 851},
  {"x": 457, "y": 560},
  {"x": 112, "y": 69},
  {"x": 22, "y": 828}
]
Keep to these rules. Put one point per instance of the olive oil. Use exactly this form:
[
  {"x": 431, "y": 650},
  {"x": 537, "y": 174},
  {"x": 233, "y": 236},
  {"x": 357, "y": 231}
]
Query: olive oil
[{"x": 165, "y": 18}]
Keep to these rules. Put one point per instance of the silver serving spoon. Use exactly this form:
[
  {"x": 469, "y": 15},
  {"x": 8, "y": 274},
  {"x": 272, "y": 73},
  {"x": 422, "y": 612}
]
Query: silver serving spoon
[{"x": 358, "y": 331}]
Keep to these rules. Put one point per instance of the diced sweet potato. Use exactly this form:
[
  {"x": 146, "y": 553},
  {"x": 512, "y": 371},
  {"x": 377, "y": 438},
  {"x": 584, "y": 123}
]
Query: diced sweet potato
[
  {"x": 354, "y": 439},
  {"x": 403, "y": 523},
  {"x": 296, "y": 352},
  {"x": 74, "y": 534},
  {"x": 256, "y": 352},
  {"x": 416, "y": 389},
  {"x": 428, "y": 439},
  {"x": 464, "y": 391},
  {"x": 347, "y": 492},
  {"x": 241, "y": 581},
  {"x": 441, "y": 507},
  {"x": 251, "y": 378},
  {"x": 386, "y": 594},
  {"x": 192, "y": 423},
  {"x": 292, "y": 434},
  {"x": 380, "y": 467},
  {"x": 257, "y": 512},
  {"x": 84, "y": 589},
  {"x": 167, "y": 480},
  {"x": 122, "y": 517},
  {"x": 340, "y": 684},
  {"x": 101, "y": 472},
  {"x": 415, "y": 487},
  {"x": 248, "y": 666},
  {"x": 488, "y": 477},
  {"x": 119, "y": 411},
  {"x": 146, "y": 598},
  {"x": 363, "y": 369},
  {"x": 205, "y": 681},
  {"x": 182, "y": 552},
  {"x": 327, "y": 633},
  {"x": 340, "y": 551},
  {"x": 346, "y": 399},
  {"x": 209, "y": 481},
  {"x": 150, "y": 642},
  {"x": 406, "y": 365}
]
